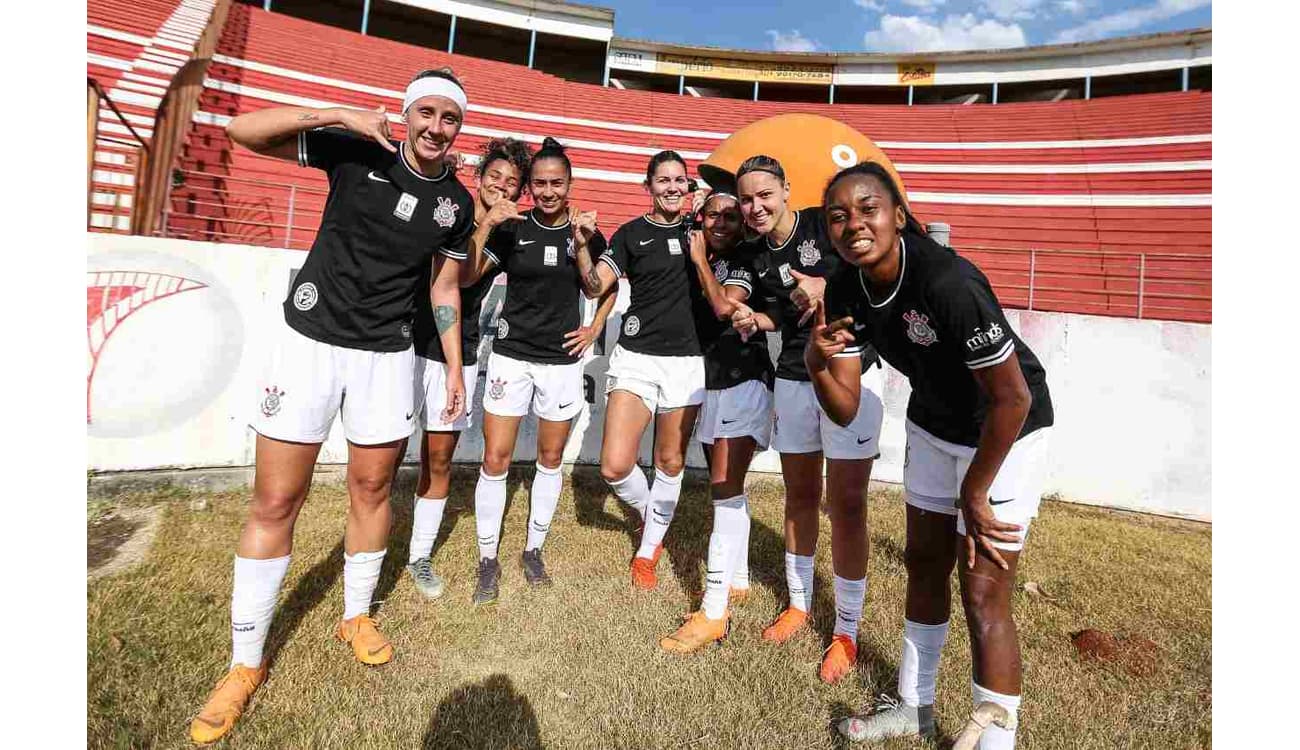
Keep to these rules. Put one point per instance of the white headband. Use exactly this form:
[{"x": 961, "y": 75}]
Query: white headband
[
  {"x": 435, "y": 86},
  {"x": 720, "y": 194}
]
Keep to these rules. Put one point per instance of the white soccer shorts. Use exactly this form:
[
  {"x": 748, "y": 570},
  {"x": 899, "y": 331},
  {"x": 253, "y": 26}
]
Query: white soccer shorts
[
  {"x": 743, "y": 410},
  {"x": 663, "y": 383},
  {"x": 934, "y": 469},
  {"x": 306, "y": 382},
  {"x": 431, "y": 382},
  {"x": 554, "y": 391},
  {"x": 802, "y": 426}
]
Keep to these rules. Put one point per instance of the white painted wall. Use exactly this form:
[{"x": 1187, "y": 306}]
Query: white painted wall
[{"x": 175, "y": 383}]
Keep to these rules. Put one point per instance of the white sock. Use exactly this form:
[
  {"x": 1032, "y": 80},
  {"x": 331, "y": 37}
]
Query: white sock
[
  {"x": 740, "y": 578},
  {"x": 995, "y": 737},
  {"x": 489, "y": 508},
  {"x": 633, "y": 490},
  {"x": 663, "y": 504},
  {"x": 252, "y": 602},
  {"x": 849, "y": 596},
  {"x": 917, "y": 670},
  {"x": 360, "y": 575},
  {"x": 424, "y": 529},
  {"x": 729, "y": 522},
  {"x": 799, "y": 580},
  {"x": 546, "y": 495}
]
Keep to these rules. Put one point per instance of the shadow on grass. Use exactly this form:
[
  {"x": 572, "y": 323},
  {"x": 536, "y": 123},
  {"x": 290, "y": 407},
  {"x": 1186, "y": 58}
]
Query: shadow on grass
[
  {"x": 591, "y": 496},
  {"x": 305, "y": 596},
  {"x": 839, "y": 710},
  {"x": 486, "y": 714}
]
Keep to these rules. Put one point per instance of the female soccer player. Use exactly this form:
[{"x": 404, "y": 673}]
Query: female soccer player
[
  {"x": 793, "y": 246},
  {"x": 977, "y": 421},
  {"x": 736, "y": 416},
  {"x": 536, "y": 358},
  {"x": 656, "y": 370},
  {"x": 393, "y": 210},
  {"x": 501, "y": 171}
]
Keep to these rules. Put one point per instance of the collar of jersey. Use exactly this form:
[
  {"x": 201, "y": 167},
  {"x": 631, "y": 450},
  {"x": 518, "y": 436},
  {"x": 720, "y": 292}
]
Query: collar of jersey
[
  {"x": 793, "y": 229},
  {"x": 401, "y": 155},
  {"x": 652, "y": 222},
  {"x": 902, "y": 269},
  {"x": 532, "y": 214}
]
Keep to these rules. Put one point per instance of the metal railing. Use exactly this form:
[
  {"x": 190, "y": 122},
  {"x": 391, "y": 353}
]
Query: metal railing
[{"x": 1123, "y": 283}]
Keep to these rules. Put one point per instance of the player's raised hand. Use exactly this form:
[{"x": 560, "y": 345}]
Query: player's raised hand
[
  {"x": 583, "y": 224},
  {"x": 699, "y": 250},
  {"x": 371, "y": 124},
  {"x": 502, "y": 211},
  {"x": 742, "y": 319},
  {"x": 698, "y": 201},
  {"x": 826, "y": 340},
  {"x": 810, "y": 291}
]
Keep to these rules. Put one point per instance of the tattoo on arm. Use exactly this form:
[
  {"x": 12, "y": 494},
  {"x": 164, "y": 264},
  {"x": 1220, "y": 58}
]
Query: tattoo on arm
[
  {"x": 592, "y": 281},
  {"x": 444, "y": 317},
  {"x": 307, "y": 117}
]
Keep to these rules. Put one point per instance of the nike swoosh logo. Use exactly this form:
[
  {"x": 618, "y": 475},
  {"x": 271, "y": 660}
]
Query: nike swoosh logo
[
  {"x": 1000, "y": 502},
  {"x": 408, "y": 416},
  {"x": 526, "y": 242},
  {"x": 647, "y": 242},
  {"x": 373, "y": 651},
  {"x": 728, "y": 421},
  {"x": 210, "y": 722},
  {"x": 863, "y": 440},
  {"x": 565, "y": 406},
  {"x": 377, "y": 178}
]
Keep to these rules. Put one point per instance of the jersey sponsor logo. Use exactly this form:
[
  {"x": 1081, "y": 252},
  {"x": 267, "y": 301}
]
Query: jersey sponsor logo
[
  {"x": 271, "y": 404},
  {"x": 445, "y": 213},
  {"x": 674, "y": 246},
  {"x": 503, "y": 328},
  {"x": 643, "y": 243},
  {"x": 808, "y": 253},
  {"x": 305, "y": 296},
  {"x": 786, "y": 278},
  {"x": 377, "y": 178},
  {"x": 632, "y": 326},
  {"x": 405, "y": 208},
  {"x": 497, "y": 390},
  {"x": 552, "y": 256},
  {"x": 720, "y": 271},
  {"x": 918, "y": 328},
  {"x": 985, "y": 338}
]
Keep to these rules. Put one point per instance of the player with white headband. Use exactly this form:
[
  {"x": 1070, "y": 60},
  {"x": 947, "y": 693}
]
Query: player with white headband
[{"x": 395, "y": 215}]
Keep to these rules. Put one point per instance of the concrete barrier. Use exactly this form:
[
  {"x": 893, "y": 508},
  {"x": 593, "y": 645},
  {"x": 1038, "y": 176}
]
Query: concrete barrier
[{"x": 178, "y": 331}]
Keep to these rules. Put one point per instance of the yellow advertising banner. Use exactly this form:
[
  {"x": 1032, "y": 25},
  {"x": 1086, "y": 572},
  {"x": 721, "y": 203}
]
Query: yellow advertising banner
[
  {"x": 916, "y": 74},
  {"x": 743, "y": 70}
]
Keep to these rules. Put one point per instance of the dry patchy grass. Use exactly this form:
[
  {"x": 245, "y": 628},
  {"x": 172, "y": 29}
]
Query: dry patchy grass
[{"x": 577, "y": 665}]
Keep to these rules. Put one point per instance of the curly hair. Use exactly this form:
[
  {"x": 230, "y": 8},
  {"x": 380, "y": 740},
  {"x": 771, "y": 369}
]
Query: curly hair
[{"x": 511, "y": 150}]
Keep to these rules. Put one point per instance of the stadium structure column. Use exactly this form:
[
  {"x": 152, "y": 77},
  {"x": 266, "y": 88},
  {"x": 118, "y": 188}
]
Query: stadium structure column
[
  {"x": 1087, "y": 87},
  {"x": 755, "y": 90},
  {"x": 910, "y": 90},
  {"x": 451, "y": 37},
  {"x": 365, "y": 16},
  {"x": 1187, "y": 72},
  {"x": 266, "y": 5},
  {"x": 606, "y": 82},
  {"x": 681, "y": 85},
  {"x": 995, "y": 92},
  {"x": 832, "y": 94},
  {"x": 532, "y": 46}
]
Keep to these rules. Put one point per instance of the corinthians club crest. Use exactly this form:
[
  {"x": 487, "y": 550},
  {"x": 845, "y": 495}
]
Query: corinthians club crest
[
  {"x": 918, "y": 328},
  {"x": 808, "y": 253},
  {"x": 720, "y": 271},
  {"x": 445, "y": 213},
  {"x": 271, "y": 404},
  {"x": 497, "y": 389}
]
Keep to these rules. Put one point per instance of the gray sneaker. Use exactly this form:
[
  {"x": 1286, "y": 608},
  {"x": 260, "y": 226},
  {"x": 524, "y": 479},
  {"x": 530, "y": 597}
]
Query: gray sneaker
[
  {"x": 889, "y": 718},
  {"x": 426, "y": 581},
  {"x": 534, "y": 568},
  {"x": 487, "y": 589}
]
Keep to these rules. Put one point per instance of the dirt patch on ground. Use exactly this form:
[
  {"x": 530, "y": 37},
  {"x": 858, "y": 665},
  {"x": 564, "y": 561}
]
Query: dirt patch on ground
[{"x": 119, "y": 539}]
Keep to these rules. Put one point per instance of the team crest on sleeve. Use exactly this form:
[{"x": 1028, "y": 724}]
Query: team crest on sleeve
[
  {"x": 720, "y": 271},
  {"x": 808, "y": 253},
  {"x": 632, "y": 325},
  {"x": 271, "y": 404},
  {"x": 918, "y": 328},
  {"x": 304, "y": 297},
  {"x": 985, "y": 338},
  {"x": 497, "y": 389},
  {"x": 503, "y": 328},
  {"x": 445, "y": 213},
  {"x": 568, "y": 247}
]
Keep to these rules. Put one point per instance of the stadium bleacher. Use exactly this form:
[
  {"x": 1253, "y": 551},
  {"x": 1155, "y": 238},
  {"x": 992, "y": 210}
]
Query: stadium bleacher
[{"x": 1112, "y": 195}]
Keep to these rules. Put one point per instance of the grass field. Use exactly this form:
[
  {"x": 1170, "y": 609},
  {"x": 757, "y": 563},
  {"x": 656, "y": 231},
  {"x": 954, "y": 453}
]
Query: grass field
[{"x": 577, "y": 665}]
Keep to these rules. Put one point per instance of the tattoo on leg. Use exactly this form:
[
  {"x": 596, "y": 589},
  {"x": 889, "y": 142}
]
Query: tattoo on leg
[{"x": 444, "y": 317}]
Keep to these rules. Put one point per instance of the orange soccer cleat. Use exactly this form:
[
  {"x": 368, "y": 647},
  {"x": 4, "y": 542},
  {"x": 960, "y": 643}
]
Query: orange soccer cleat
[
  {"x": 840, "y": 659},
  {"x": 226, "y": 702},
  {"x": 643, "y": 570},
  {"x": 368, "y": 644},
  {"x": 698, "y": 631},
  {"x": 790, "y": 622}
]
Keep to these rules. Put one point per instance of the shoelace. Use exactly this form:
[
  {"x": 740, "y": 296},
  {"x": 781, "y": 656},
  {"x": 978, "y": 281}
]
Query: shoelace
[
  {"x": 885, "y": 703},
  {"x": 423, "y": 567}
]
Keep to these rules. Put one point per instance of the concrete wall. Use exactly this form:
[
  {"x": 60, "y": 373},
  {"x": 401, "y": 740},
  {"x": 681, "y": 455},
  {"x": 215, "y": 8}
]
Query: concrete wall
[{"x": 181, "y": 329}]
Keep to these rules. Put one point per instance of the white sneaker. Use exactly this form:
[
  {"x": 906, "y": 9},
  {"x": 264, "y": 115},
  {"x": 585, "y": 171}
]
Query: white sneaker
[
  {"x": 889, "y": 718},
  {"x": 426, "y": 581}
]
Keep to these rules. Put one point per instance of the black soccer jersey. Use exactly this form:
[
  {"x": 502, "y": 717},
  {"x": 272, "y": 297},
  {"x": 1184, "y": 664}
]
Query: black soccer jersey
[
  {"x": 427, "y": 343},
  {"x": 543, "y": 297},
  {"x": 656, "y": 260},
  {"x": 728, "y": 360},
  {"x": 382, "y": 224},
  {"x": 807, "y": 250},
  {"x": 940, "y": 322}
]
